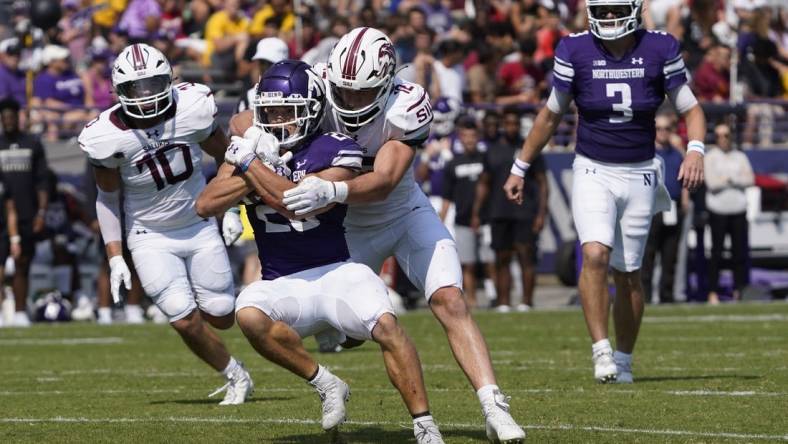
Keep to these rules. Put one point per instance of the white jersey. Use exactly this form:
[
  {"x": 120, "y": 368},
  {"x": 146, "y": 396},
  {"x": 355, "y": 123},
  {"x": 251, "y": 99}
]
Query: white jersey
[
  {"x": 406, "y": 117},
  {"x": 161, "y": 166}
]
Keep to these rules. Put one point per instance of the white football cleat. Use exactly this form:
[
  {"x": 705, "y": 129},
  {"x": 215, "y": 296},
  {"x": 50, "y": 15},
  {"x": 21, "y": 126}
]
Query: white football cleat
[
  {"x": 624, "y": 371},
  {"x": 21, "y": 319},
  {"x": 104, "y": 316},
  {"x": 427, "y": 432},
  {"x": 500, "y": 425},
  {"x": 239, "y": 387},
  {"x": 334, "y": 393},
  {"x": 604, "y": 367},
  {"x": 134, "y": 315},
  {"x": 83, "y": 310}
]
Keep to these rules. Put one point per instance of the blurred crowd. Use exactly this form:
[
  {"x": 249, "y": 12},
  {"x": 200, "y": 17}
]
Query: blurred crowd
[
  {"x": 56, "y": 57},
  {"x": 487, "y": 65}
]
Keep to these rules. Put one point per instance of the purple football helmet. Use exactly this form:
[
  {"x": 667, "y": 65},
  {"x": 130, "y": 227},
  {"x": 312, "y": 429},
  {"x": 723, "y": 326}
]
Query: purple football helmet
[
  {"x": 289, "y": 95},
  {"x": 445, "y": 112}
]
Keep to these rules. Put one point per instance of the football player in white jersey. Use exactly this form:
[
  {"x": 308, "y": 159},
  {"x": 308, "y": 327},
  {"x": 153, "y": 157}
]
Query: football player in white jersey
[
  {"x": 150, "y": 146},
  {"x": 388, "y": 213}
]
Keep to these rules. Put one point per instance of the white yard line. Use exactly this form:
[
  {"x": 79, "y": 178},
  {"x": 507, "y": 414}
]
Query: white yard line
[
  {"x": 689, "y": 319},
  {"x": 445, "y": 426},
  {"x": 263, "y": 390},
  {"x": 62, "y": 341}
]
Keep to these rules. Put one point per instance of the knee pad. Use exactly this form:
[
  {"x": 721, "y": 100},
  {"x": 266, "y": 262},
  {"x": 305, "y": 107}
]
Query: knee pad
[
  {"x": 176, "y": 303},
  {"x": 218, "y": 304}
]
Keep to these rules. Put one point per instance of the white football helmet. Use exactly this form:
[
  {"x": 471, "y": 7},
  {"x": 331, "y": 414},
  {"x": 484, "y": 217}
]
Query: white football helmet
[
  {"x": 612, "y": 29},
  {"x": 142, "y": 79},
  {"x": 360, "y": 75}
]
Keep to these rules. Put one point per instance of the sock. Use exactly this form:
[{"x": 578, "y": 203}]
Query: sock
[
  {"x": 486, "y": 392},
  {"x": 601, "y": 346},
  {"x": 230, "y": 367},
  {"x": 623, "y": 358},
  {"x": 133, "y": 311},
  {"x": 319, "y": 376},
  {"x": 105, "y": 314},
  {"x": 62, "y": 276}
]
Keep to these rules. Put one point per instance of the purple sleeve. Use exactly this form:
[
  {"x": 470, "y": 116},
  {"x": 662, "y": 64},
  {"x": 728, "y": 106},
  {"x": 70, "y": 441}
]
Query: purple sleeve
[
  {"x": 563, "y": 71},
  {"x": 673, "y": 69},
  {"x": 151, "y": 8},
  {"x": 43, "y": 87}
]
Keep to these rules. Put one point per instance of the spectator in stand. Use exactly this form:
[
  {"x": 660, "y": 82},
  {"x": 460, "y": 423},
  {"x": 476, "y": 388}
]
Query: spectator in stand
[
  {"x": 448, "y": 77},
  {"x": 106, "y": 13},
  {"x": 728, "y": 174},
  {"x": 515, "y": 228},
  {"x": 521, "y": 81},
  {"x": 481, "y": 77},
  {"x": 711, "y": 81},
  {"x": 459, "y": 186},
  {"x": 665, "y": 232},
  {"x": 439, "y": 149},
  {"x": 269, "y": 50},
  {"x": 694, "y": 31},
  {"x": 524, "y": 15},
  {"x": 9, "y": 232},
  {"x": 97, "y": 79},
  {"x": 549, "y": 33},
  {"x": 12, "y": 79},
  {"x": 438, "y": 16},
  {"x": 74, "y": 29},
  {"x": 320, "y": 52},
  {"x": 141, "y": 20},
  {"x": 281, "y": 13},
  {"x": 24, "y": 167},
  {"x": 60, "y": 92},
  {"x": 226, "y": 34}
]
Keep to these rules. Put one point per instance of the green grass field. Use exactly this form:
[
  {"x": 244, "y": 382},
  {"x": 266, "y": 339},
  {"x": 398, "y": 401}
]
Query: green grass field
[{"x": 703, "y": 374}]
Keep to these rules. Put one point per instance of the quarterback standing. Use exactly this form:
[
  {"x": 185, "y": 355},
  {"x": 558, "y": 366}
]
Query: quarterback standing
[
  {"x": 618, "y": 76},
  {"x": 150, "y": 147}
]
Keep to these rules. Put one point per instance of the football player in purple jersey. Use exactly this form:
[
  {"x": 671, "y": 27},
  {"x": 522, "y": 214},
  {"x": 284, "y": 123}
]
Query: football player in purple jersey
[
  {"x": 309, "y": 284},
  {"x": 618, "y": 75}
]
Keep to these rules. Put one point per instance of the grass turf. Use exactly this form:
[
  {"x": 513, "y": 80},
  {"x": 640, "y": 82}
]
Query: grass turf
[{"x": 703, "y": 374}]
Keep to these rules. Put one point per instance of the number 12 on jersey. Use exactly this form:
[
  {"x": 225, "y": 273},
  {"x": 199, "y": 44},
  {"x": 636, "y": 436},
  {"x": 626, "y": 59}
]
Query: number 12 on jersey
[{"x": 159, "y": 165}]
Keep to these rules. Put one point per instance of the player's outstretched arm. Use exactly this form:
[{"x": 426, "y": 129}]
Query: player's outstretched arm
[
  {"x": 544, "y": 127},
  {"x": 222, "y": 192},
  {"x": 108, "y": 213},
  {"x": 691, "y": 170},
  {"x": 392, "y": 161},
  {"x": 215, "y": 145}
]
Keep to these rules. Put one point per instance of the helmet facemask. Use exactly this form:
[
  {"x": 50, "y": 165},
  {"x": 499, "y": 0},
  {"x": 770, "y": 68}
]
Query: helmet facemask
[
  {"x": 613, "y": 19},
  {"x": 289, "y": 119},
  {"x": 147, "y": 97}
]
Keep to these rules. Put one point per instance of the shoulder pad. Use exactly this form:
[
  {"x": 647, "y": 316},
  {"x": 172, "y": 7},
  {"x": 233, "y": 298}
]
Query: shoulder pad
[
  {"x": 195, "y": 101},
  {"x": 408, "y": 110},
  {"x": 95, "y": 138}
]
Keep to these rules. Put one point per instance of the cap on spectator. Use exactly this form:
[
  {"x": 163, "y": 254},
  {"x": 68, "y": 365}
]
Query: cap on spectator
[
  {"x": 54, "y": 52},
  {"x": 271, "y": 49},
  {"x": 10, "y": 46},
  {"x": 749, "y": 5}
]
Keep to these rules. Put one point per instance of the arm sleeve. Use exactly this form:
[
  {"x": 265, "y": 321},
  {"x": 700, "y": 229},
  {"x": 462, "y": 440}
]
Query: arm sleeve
[
  {"x": 108, "y": 215},
  {"x": 673, "y": 70},
  {"x": 682, "y": 98},
  {"x": 559, "y": 101},
  {"x": 563, "y": 71}
]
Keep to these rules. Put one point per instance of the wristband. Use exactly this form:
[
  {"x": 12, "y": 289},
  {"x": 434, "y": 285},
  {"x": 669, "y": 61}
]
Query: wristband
[
  {"x": 519, "y": 168},
  {"x": 340, "y": 192},
  {"x": 235, "y": 210},
  {"x": 246, "y": 161},
  {"x": 697, "y": 146},
  {"x": 15, "y": 239}
]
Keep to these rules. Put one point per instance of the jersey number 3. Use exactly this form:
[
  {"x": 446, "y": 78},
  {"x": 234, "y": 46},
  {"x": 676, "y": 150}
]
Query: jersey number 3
[
  {"x": 625, "y": 105},
  {"x": 158, "y": 160}
]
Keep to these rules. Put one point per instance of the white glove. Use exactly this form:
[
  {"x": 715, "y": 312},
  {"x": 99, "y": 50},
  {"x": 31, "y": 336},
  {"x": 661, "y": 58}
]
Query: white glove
[
  {"x": 231, "y": 226},
  {"x": 119, "y": 273},
  {"x": 267, "y": 149},
  {"x": 314, "y": 193},
  {"x": 240, "y": 153}
]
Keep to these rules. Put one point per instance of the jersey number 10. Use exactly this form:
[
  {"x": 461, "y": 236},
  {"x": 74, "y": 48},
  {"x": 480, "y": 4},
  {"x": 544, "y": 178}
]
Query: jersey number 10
[{"x": 157, "y": 161}]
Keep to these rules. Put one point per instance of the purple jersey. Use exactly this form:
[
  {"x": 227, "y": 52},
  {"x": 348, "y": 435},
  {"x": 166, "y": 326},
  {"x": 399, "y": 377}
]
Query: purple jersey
[
  {"x": 617, "y": 99},
  {"x": 288, "y": 246}
]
